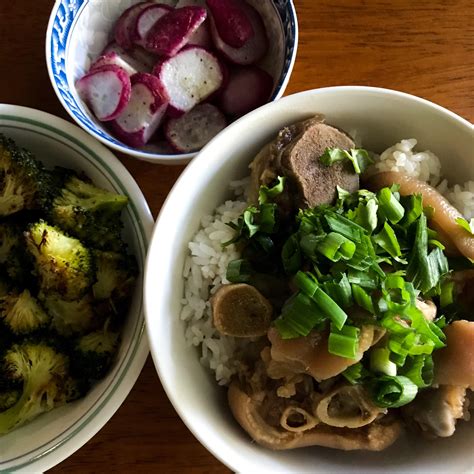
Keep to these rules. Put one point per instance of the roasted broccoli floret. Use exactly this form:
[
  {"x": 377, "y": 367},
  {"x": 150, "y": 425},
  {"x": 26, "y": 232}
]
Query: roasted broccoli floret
[
  {"x": 93, "y": 354},
  {"x": 43, "y": 372},
  {"x": 24, "y": 183},
  {"x": 70, "y": 317},
  {"x": 89, "y": 213},
  {"x": 63, "y": 264},
  {"x": 22, "y": 313}
]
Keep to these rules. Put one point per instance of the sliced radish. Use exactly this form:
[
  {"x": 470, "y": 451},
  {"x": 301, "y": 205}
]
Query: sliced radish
[
  {"x": 247, "y": 88},
  {"x": 253, "y": 49},
  {"x": 193, "y": 130},
  {"x": 144, "y": 112},
  {"x": 191, "y": 3},
  {"x": 202, "y": 36},
  {"x": 137, "y": 57},
  {"x": 189, "y": 77},
  {"x": 125, "y": 26},
  {"x": 232, "y": 21},
  {"x": 172, "y": 31},
  {"x": 113, "y": 58},
  {"x": 106, "y": 90},
  {"x": 146, "y": 19}
]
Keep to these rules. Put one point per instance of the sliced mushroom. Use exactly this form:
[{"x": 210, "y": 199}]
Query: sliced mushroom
[
  {"x": 444, "y": 216},
  {"x": 310, "y": 354},
  {"x": 454, "y": 364},
  {"x": 348, "y": 406},
  {"x": 240, "y": 310},
  {"x": 376, "y": 436},
  {"x": 436, "y": 411}
]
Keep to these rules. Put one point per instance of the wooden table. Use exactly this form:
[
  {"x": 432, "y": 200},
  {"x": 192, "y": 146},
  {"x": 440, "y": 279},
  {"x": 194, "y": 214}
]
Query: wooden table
[{"x": 424, "y": 48}]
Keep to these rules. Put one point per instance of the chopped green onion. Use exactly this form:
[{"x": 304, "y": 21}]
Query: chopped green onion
[
  {"x": 468, "y": 226},
  {"x": 389, "y": 206},
  {"x": 447, "y": 293},
  {"x": 393, "y": 391},
  {"x": 413, "y": 205},
  {"x": 291, "y": 255},
  {"x": 362, "y": 298},
  {"x": 344, "y": 342},
  {"x": 354, "y": 373},
  {"x": 309, "y": 244},
  {"x": 335, "y": 246},
  {"x": 365, "y": 214},
  {"x": 239, "y": 271},
  {"x": 249, "y": 214},
  {"x": 266, "y": 217},
  {"x": 387, "y": 240},
  {"x": 265, "y": 193},
  {"x": 419, "y": 370},
  {"x": 365, "y": 279},
  {"x": 380, "y": 361},
  {"x": 344, "y": 226},
  {"x": 339, "y": 290}
]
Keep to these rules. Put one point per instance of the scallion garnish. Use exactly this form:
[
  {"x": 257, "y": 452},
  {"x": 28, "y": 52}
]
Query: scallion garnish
[
  {"x": 344, "y": 342},
  {"x": 380, "y": 361},
  {"x": 239, "y": 271},
  {"x": 389, "y": 205},
  {"x": 393, "y": 391},
  {"x": 335, "y": 246},
  {"x": 266, "y": 194},
  {"x": 359, "y": 158}
]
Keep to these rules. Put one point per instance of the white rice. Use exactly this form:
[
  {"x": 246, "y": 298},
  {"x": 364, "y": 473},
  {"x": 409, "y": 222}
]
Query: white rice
[{"x": 206, "y": 264}]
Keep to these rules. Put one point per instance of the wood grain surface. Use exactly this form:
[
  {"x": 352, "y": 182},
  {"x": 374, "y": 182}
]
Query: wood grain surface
[{"x": 422, "y": 47}]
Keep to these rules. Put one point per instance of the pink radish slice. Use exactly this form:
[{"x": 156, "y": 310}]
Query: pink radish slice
[
  {"x": 146, "y": 19},
  {"x": 232, "y": 21},
  {"x": 125, "y": 26},
  {"x": 190, "y": 3},
  {"x": 247, "y": 88},
  {"x": 172, "y": 31},
  {"x": 193, "y": 130},
  {"x": 253, "y": 50},
  {"x": 106, "y": 90},
  {"x": 189, "y": 77},
  {"x": 201, "y": 37},
  {"x": 144, "y": 112},
  {"x": 137, "y": 57},
  {"x": 113, "y": 58}
]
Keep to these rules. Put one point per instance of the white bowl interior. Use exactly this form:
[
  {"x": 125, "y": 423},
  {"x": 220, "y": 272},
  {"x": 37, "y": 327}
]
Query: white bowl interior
[
  {"x": 92, "y": 30},
  {"x": 381, "y": 118},
  {"x": 53, "y": 436}
]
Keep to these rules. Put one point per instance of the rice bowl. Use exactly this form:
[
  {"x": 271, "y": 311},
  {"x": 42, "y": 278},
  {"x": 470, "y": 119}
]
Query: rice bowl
[{"x": 341, "y": 106}]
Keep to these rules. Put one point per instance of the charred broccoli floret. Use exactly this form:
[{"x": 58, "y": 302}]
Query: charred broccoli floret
[
  {"x": 22, "y": 313},
  {"x": 24, "y": 183},
  {"x": 89, "y": 213},
  {"x": 63, "y": 263},
  {"x": 70, "y": 317},
  {"x": 93, "y": 354},
  {"x": 42, "y": 371}
]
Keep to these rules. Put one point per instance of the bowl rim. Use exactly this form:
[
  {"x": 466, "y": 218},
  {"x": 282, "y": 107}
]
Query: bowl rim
[
  {"x": 150, "y": 294},
  {"x": 177, "y": 158},
  {"x": 114, "y": 394}
]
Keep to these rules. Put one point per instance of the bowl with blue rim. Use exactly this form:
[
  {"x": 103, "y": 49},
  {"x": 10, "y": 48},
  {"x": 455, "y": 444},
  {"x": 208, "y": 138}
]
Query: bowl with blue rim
[{"x": 80, "y": 30}]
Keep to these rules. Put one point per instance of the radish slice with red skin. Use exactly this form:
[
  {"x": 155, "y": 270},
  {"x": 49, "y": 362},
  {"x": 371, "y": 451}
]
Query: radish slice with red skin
[
  {"x": 201, "y": 37},
  {"x": 253, "y": 50},
  {"x": 190, "y": 3},
  {"x": 137, "y": 57},
  {"x": 193, "y": 130},
  {"x": 125, "y": 25},
  {"x": 247, "y": 88},
  {"x": 113, "y": 58},
  {"x": 106, "y": 90},
  {"x": 144, "y": 112},
  {"x": 189, "y": 78},
  {"x": 232, "y": 21},
  {"x": 172, "y": 31},
  {"x": 146, "y": 19}
]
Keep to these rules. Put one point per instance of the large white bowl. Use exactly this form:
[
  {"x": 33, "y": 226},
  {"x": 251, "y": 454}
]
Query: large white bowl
[
  {"x": 382, "y": 118},
  {"x": 52, "y": 437},
  {"x": 79, "y": 30}
]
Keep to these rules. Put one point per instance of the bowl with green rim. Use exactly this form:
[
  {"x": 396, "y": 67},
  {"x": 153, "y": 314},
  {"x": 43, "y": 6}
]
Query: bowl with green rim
[{"x": 52, "y": 437}]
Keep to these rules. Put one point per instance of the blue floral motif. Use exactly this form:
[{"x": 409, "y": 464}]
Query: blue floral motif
[{"x": 68, "y": 10}]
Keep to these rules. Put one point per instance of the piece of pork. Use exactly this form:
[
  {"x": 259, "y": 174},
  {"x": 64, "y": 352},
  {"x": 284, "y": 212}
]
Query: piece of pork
[
  {"x": 310, "y": 354},
  {"x": 240, "y": 310},
  {"x": 435, "y": 411},
  {"x": 427, "y": 307},
  {"x": 454, "y": 364},
  {"x": 444, "y": 216},
  {"x": 295, "y": 153},
  {"x": 376, "y": 436}
]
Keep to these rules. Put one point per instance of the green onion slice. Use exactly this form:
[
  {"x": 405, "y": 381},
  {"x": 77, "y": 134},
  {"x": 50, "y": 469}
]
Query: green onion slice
[
  {"x": 344, "y": 342},
  {"x": 393, "y": 391}
]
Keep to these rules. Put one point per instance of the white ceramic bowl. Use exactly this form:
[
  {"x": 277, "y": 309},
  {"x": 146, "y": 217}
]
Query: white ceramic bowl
[
  {"x": 79, "y": 30},
  {"x": 52, "y": 437},
  {"x": 382, "y": 118}
]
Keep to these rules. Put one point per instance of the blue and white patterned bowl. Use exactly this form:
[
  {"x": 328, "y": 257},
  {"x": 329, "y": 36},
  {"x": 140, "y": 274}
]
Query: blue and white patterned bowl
[
  {"x": 53, "y": 436},
  {"x": 79, "y": 30}
]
